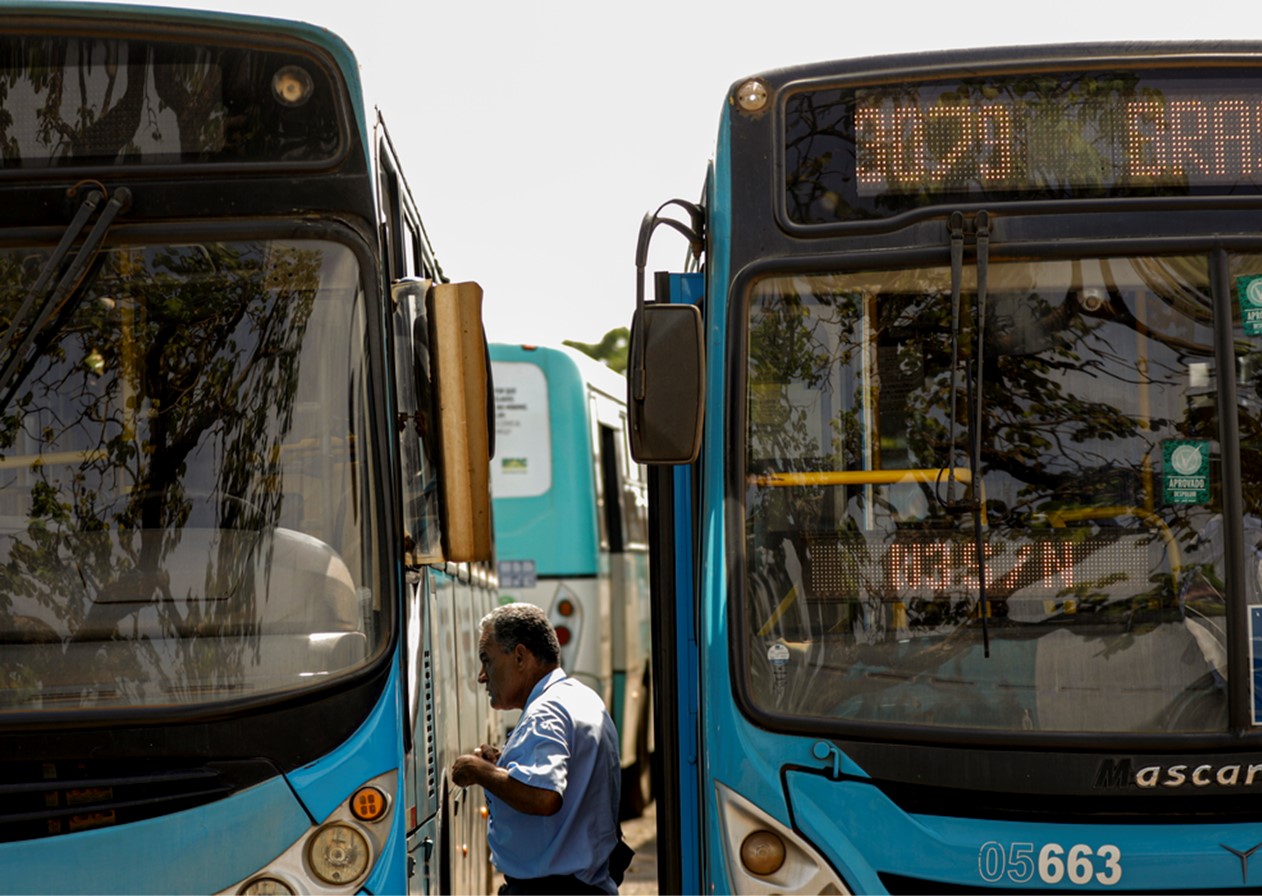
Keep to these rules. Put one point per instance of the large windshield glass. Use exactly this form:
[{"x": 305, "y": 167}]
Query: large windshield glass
[
  {"x": 1098, "y": 484},
  {"x": 182, "y": 506}
]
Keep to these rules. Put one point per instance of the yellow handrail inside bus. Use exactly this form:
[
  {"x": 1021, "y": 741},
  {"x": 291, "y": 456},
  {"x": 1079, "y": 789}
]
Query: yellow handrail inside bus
[
  {"x": 861, "y": 477},
  {"x": 52, "y": 458}
]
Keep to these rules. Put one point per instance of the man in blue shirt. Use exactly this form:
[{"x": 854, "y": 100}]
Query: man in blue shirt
[{"x": 553, "y": 791}]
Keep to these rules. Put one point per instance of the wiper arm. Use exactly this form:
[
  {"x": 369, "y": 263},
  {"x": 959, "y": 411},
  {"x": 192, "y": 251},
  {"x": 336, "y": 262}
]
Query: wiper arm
[
  {"x": 974, "y": 397},
  {"x": 69, "y": 282},
  {"x": 957, "y": 270},
  {"x": 982, "y": 222},
  {"x": 86, "y": 208}
]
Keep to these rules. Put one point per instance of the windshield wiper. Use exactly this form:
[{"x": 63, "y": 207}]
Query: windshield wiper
[
  {"x": 70, "y": 281},
  {"x": 974, "y": 397}
]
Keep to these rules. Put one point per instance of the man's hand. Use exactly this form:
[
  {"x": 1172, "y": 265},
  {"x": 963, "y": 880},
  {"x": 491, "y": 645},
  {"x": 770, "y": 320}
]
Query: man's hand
[
  {"x": 489, "y": 753},
  {"x": 472, "y": 768},
  {"x": 479, "y": 768}
]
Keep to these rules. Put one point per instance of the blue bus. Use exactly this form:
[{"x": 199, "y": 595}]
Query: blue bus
[
  {"x": 955, "y": 417},
  {"x": 571, "y": 530},
  {"x": 243, "y": 553}
]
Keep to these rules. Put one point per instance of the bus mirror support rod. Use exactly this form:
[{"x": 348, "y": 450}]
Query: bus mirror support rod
[
  {"x": 695, "y": 235},
  {"x": 666, "y": 367}
]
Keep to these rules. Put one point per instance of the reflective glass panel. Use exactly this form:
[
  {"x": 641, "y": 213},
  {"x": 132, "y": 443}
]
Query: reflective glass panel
[
  {"x": 183, "y": 506},
  {"x": 1004, "y": 518}
]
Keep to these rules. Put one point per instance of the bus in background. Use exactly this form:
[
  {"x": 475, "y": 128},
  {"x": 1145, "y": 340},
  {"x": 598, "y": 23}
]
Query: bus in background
[
  {"x": 571, "y": 530},
  {"x": 956, "y": 425},
  {"x": 242, "y": 558}
]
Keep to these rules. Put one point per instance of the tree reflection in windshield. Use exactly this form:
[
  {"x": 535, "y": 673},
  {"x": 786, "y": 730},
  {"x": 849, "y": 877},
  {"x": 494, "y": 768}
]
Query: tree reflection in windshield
[
  {"x": 169, "y": 466},
  {"x": 863, "y": 580}
]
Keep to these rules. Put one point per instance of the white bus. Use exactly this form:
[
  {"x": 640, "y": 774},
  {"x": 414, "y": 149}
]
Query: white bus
[{"x": 571, "y": 519}]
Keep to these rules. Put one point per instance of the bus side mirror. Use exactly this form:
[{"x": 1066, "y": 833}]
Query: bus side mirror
[
  {"x": 666, "y": 385},
  {"x": 461, "y": 406}
]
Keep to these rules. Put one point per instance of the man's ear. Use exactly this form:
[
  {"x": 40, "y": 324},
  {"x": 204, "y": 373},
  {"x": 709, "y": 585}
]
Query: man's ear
[{"x": 522, "y": 655}]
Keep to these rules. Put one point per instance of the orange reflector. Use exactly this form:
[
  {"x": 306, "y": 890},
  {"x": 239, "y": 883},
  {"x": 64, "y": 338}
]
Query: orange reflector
[
  {"x": 368, "y": 804},
  {"x": 566, "y": 607}
]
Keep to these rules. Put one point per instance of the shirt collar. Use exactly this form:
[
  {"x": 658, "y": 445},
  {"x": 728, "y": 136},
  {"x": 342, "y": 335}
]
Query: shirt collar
[{"x": 557, "y": 674}]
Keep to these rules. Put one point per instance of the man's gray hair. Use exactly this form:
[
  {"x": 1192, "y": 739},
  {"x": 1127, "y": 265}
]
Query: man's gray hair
[{"x": 525, "y": 624}]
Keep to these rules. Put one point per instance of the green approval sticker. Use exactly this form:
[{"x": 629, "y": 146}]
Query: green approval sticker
[
  {"x": 1249, "y": 294},
  {"x": 1185, "y": 468}
]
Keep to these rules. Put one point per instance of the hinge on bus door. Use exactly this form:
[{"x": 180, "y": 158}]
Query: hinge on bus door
[{"x": 976, "y": 230}]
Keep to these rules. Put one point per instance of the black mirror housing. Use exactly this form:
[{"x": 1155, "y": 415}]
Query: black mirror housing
[{"x": 666, "y": 383}]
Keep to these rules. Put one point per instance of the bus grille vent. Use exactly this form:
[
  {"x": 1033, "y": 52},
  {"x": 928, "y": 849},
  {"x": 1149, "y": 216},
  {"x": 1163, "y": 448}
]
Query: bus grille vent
[{"x": 51, "y": 798}]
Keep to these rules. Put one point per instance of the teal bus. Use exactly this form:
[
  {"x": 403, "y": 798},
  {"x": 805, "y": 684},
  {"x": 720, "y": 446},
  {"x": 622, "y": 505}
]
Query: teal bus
[
  {"x": 955, "y": 425},
  {"x": 571, "y": 530},
  {"x": 245, "y": 533}
]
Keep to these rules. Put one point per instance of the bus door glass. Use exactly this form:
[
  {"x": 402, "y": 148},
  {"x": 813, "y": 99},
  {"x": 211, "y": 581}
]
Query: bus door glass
[{"x": 1089, "y": 385}]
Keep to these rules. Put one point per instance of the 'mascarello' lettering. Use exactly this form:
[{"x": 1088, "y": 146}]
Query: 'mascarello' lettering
[
  {"x": 1173, "y": 776},
  {"x": 1116, "y": 774}
]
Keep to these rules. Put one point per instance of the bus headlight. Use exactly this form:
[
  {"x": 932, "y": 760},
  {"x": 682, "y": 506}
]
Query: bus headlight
[
  {"x": 764, "y": 856},
  {"x": 762, "y": 852},
  {"x": 338, "y": 854}
]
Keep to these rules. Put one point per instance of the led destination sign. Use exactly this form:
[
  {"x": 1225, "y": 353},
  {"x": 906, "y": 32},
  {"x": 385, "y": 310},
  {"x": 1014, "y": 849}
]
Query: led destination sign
[
  {"x": 874, "y": 151},
  {"x": 1053, "y": 572}
]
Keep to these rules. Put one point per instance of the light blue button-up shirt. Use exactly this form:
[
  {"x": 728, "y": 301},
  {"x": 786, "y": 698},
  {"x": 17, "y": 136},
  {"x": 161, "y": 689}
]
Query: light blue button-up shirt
[{"x": 564, "y": 742}]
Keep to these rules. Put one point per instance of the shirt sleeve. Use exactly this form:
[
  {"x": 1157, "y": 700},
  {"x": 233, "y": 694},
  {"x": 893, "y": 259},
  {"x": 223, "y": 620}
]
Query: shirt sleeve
[{"x": 541, "y": 757}]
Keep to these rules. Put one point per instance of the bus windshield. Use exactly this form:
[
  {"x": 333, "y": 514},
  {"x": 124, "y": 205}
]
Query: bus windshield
[
  {"x": 182, "y": 516},
  {"x": 1073, "y": 407}
]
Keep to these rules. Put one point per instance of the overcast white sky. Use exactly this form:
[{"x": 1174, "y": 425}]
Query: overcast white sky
[{"x": 535, "y": 135}]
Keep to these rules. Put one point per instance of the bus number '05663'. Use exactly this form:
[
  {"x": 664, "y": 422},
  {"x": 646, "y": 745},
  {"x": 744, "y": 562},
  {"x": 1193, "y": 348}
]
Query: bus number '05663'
[{"x": 1053, "y": 863}]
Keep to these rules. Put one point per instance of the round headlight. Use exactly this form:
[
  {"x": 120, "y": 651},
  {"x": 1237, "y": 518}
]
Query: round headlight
[
  {"x": 762, "y": 852},
  {"x": 338, "y": 854},
  {"x": 752, "y": 95}
]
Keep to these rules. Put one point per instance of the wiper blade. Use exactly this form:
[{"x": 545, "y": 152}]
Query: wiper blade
[
  {"x": 86, "y": 208},
  {"x": 69, "y": 282},
  {"x": 982, "y": 224},
  {"x": 959, "y": 227}
]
